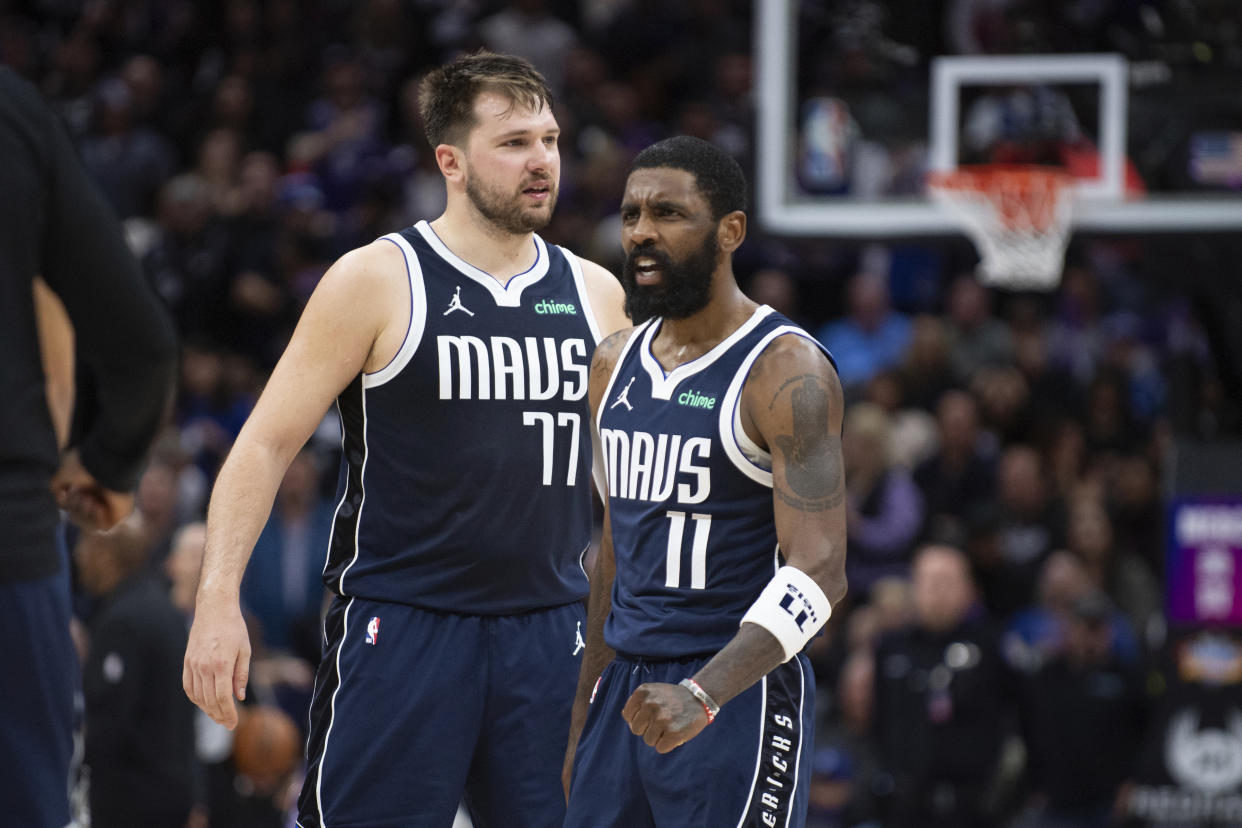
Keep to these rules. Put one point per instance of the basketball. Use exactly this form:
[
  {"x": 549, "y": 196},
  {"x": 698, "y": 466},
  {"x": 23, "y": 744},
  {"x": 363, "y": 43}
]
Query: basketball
[{"x": 266, "y": 745}]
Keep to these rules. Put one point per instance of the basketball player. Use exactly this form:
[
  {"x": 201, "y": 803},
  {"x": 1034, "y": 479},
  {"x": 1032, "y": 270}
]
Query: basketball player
[
  {"x": 54, "y": 224},
  {"x": 724, "y": 537},
  {"x": 457, "y": 352}
]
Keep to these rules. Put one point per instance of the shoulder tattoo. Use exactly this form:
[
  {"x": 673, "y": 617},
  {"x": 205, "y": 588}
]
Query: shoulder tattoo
[{"x": 813, "y": 479}]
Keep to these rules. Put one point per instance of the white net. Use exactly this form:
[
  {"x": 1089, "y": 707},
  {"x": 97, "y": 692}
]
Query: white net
[{"x": 1018, "y": 218}]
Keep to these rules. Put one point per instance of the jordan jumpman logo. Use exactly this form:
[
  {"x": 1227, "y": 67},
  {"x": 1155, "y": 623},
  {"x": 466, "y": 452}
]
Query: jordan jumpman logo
[
  {"x": 579, "y": 644},
  {"x": 623, "y": 397},
  {"x": 455, "y": 304}
]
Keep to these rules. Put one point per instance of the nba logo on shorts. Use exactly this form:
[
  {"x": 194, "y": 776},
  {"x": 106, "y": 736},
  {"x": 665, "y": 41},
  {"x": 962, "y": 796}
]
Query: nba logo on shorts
[{"x": 373, "y": 629}]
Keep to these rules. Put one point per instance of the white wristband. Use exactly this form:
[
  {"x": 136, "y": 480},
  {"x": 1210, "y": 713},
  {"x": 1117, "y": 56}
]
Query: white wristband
[{"x": 792, "y": 607}]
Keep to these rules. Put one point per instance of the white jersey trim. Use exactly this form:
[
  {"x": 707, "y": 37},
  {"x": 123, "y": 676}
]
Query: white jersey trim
[
  {"x": 664, "y": 383},
  {"x": 327, "y": 555},
  {"x": 508, "y": 295},
  {"x": 327, "y": 736},
  {"x": 635, "y": 336},
  {"x": 793, "y": 792},
  {"x": 802, "y": 735},
  {"x": 582, "y": 556},
  {"x": 744, "y": 453},
  {"x": 749, "y": 448},
  {"x": 575, "y": 267},
  {"x": 362, "y": 487},
  {"x": 754, "y": 777},
  {"x": 418, "y": 316}
]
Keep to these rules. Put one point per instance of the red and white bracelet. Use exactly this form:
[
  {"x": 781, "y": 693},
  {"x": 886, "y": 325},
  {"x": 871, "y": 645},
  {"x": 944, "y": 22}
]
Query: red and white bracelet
[{"x": 709, "y": 704}]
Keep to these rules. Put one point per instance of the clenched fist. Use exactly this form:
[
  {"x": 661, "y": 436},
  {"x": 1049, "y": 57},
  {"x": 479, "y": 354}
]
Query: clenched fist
[{"x": 665, "y": 715}]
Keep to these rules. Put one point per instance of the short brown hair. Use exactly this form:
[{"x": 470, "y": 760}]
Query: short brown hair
[{"x": 446, "y": 95}]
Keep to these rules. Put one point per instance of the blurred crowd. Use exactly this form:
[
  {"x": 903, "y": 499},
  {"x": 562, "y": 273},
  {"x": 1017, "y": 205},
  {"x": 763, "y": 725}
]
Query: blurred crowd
[{"x": 1004, "y": 452}]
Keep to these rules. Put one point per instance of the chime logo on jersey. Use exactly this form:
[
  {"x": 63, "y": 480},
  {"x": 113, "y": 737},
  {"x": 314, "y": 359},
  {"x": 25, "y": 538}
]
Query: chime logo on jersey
[
  {"x": 545, "y": 307},
  {"x": 654, "y": 468},
  {"x": 696, "y": 400},
  {"x": 505, "y": 368},
  {"x": 373, "y": 629}
]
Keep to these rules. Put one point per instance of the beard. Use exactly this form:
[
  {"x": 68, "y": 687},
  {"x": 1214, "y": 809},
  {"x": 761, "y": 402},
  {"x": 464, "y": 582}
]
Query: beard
[
  {"x": 506, "y": 212},
  {"x": 685, "y": 289}
]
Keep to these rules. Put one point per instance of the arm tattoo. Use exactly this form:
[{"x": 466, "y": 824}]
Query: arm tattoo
[
  {"x": 790, "y": 382},
  {"x": 812, "y": 456}
]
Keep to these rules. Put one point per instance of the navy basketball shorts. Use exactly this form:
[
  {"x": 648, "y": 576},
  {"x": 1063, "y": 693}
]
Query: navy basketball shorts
[
  {"x": 750, "y": 767},
  {"x": 38, "y": 679},
  {"x": 415, "y": 710}
]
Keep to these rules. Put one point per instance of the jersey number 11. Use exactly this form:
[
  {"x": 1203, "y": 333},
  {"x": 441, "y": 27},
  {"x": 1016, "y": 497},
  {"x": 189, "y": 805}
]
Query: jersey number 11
[{"x": 698, "y": 550}]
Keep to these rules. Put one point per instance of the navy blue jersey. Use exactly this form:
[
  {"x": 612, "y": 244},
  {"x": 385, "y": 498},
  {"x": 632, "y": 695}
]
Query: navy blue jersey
[
  {"x": 466, "y": 459},
  {"x": 690, "y": 495}
]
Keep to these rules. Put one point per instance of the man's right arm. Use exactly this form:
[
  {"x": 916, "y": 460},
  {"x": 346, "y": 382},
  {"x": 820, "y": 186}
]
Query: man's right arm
[
  {"x": 596, "y": 655},
  {"x": 343, "y": 331}
]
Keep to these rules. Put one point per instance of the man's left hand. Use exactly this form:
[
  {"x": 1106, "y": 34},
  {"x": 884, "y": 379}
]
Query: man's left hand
[{"x": 665, "y": 715}]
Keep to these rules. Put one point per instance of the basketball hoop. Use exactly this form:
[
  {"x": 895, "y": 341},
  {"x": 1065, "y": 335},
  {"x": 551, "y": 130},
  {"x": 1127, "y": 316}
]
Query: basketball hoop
[{"x": 1017, "y": 216}]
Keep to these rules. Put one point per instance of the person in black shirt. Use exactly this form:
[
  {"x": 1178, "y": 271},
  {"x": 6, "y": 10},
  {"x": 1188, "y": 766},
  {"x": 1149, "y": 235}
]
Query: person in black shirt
[
  {"x": 940, "y": 692},
  {"x": 1083, "y": 714},
  {"x": 139, "y": 724},
  {"x": 54, "y": 224}
]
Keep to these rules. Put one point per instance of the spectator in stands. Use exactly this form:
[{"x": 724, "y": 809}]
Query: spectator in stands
[
  {"x": 1111, "y": 428},
  {"x": 230, "y": 800},
  {"x": 1083, "y": 715},
  {"x": 129, "y": 163},
  {"x": 1065, "y": 456},
  {"x": 976, "y": 337},
  {"x": 871, "y": 337},
  {"x": 345, "y": 130},
  {"x": 832, "y": 788},
  {"x": 912, "y": 431},
  {"x": 941, "y": 687},
  {"x": 232, "y": 107},
  {"x": 219, "y": 156},
  {"x": 527, "y": 28},
  {"x": 1040, "y": 633},
  {"x": 1127, "y": 352},
  {"x": 1030, "y": 525},
  {"x": 187, "y": 259},
  {"x": 1075, "y": 339},
  {"x": 212, "y": 410},
  {"x": 259, "y": 304},
  {"x": 961, "y": 475},
  {"x": 181, "y": 567},
  {"x": 145, "y": 78},
  {"x": 1135, "y": 510},
  {"x": 156, "y": 504},
  {"x": 1124, "y": 577},
  {"x": 139, "y": 723},
  {"x": 884, "y": 506},
  {"x": 283, "y": 586},
  {"x": 1004, "y": 403},
  {"x": 1054, "y": 393},
  {"x": 924, "y": 369},
  {"x": 70, "y": 79},
  {"x": 777, "y": 289},
  {"x": 846, "y": 766}
]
